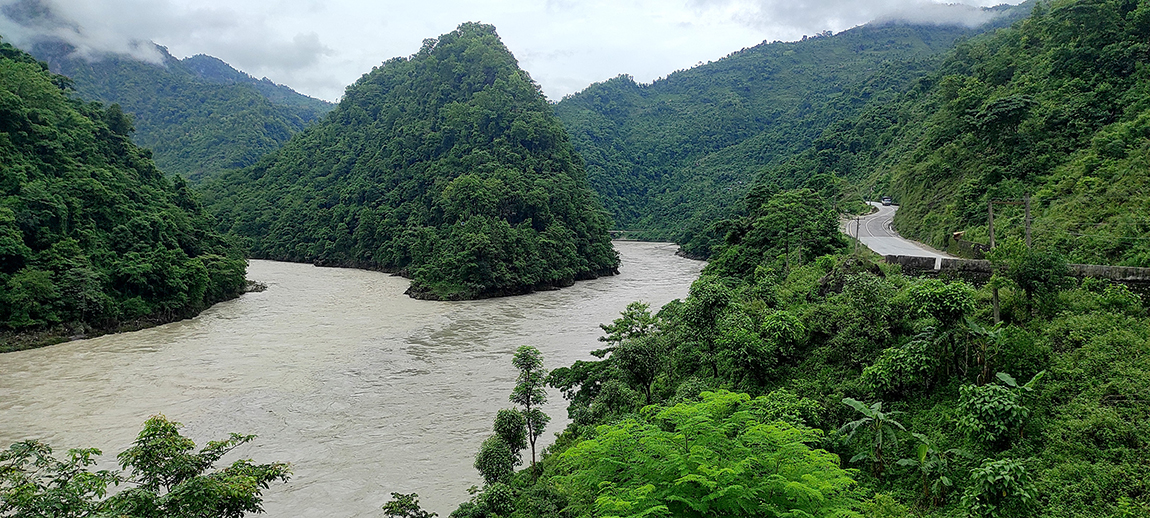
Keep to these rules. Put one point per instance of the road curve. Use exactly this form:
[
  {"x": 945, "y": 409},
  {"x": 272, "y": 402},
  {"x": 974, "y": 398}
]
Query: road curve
[{"x": 875, "y": 231}]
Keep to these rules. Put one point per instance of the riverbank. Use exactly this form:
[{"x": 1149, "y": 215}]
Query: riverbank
[
  {"x": 11, "y": 341},
  {"x": 330, "y": 366}
]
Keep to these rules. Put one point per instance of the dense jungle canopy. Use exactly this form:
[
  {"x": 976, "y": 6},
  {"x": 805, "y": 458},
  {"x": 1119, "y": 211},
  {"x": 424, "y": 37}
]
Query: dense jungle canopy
[
  {"x": 448, "y": 166},
  {"x": 92, "y": 234}
]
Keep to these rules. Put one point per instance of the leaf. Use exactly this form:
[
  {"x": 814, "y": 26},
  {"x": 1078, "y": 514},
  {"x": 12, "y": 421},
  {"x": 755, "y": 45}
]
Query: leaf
[
  {"x": 858, "y": 406},
  {"x": 1007, "y": 379}
]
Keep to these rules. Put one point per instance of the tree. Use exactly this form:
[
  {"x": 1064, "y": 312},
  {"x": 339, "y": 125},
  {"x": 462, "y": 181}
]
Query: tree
[
  {"x": 499, "y": 454},
  {"x": 512, "y": 428},
  {"x": 636, "y": 321},
  {"x": 172, "y": 479},
  {"x": 494, "y": 460},
  {"x": 640, "y": 361},
  {"x": 530, "y": 393},
  {"x": 722, "y": 456},
  {"x": 1037, "y": 273},
  {"x": 935, "y": 467},
  {"x": 33, "y": 483},
  {"x": 405, "y": 506},
  {"x": 167, "y": 477},
  {"x": 999, "y": 489}
]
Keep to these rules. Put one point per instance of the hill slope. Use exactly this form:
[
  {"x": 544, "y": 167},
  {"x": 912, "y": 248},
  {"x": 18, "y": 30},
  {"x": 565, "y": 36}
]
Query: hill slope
[
  {"x": 447, "y": 166},
  {"x": 92, "y": 234},
  {"x": 673, "y": 156},
  {"x": 198, "y": 115},
  {"x": 1057, "y": 107}
]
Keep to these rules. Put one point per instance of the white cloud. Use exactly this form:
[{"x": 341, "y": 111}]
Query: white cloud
[{"x": 318, "y": 47}]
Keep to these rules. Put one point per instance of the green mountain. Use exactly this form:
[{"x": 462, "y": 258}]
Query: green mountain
[
  {"x": 92, "y": 234},
  {"x": 448, "y": 166},
  {"x": 674, "y": 156},
  {"x": 198, "y": 115},
  {"x": 1056, "y": 108}
]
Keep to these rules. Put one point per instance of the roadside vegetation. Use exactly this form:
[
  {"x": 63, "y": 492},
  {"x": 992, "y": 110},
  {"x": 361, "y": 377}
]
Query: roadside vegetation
[{"x": 814, "y": 380}]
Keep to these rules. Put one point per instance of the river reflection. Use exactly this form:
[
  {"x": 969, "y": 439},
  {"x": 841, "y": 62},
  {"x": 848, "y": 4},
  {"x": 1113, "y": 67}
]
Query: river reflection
[{"x": 364, "y": 390}]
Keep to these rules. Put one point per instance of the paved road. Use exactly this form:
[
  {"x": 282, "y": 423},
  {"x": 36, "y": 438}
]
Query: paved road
[{"x": 875, "y": 232}]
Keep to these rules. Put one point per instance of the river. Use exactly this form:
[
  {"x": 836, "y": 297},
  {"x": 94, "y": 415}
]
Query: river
[{"x": 364, "y": 390}]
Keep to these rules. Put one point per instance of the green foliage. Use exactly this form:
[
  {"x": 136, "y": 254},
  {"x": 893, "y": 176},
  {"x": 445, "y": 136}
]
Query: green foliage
[
  {"x": 448, "y": 167},
  {"x": 946, "y": 302},
  {"x": 640, "y": 361},
  {"x": 197, "y": 115},
  {"x": 999, "y": 489},
  {"x": 530, "y": 393},
  {"x": 879, "y": 430},
  {"x": 165, "y": 477},
  {"x": 717, "y": 457},
  {"x": 33, "y": 483},
  {"x": 1054, "y": 107},
  {"x": 512, "y": 428},
  {"x": 789, "y": 227},
  {"x": 91, "y": 233},
  {"x": 495, "y": 460},
  {"x": 675, "y": 156},
  {"x": 990, "y": 414},
  {"x": 1039, "y": 274},
  {"x": 936, "y": 467},
  {"x": 884, "y": 506},
  {"x": 902, "y": 370},
  {"x": 405, "y": 506},
  {"x": 636, "y": 321}
]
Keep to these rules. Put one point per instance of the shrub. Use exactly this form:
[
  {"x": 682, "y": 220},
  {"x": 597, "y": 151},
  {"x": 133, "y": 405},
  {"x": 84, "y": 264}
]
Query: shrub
[
  {"x": 999, "y": 489},
  {"x": 900, "y": 370},
  {"x": 990, "y": 413}
]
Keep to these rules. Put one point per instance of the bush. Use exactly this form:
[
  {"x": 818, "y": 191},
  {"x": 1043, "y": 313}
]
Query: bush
[
  {"x": 999, "y": 489},
  {"x": 901, "y": 370},
  {"x": 990, "y": 413}
]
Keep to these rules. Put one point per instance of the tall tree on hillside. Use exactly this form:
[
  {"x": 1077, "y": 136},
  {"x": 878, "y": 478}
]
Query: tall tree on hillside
[{"x": 530, "y": 393}]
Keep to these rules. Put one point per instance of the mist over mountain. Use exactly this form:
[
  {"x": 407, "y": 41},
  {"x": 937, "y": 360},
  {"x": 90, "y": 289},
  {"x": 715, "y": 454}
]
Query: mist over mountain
[{"x": 198, "y": 115}]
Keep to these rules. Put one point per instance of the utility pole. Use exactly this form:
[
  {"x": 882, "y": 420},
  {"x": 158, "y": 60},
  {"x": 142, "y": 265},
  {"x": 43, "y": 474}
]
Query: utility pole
[
  {"x": 990, "y": 221},
  {"x": 990, "y": 231},
  {"x": 1026, "y": 201}
]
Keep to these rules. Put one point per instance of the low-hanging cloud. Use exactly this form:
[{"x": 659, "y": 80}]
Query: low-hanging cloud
[
  {"x": 26, "y": 22},
  {"x": 129, "y": 27},
  {"x": 817, "y": 16},
  {"x": 320, "y": 46}
]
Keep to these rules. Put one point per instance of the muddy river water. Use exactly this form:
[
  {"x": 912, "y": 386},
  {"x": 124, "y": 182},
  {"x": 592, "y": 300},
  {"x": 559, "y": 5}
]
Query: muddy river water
[{"x": 364, "y": 390}]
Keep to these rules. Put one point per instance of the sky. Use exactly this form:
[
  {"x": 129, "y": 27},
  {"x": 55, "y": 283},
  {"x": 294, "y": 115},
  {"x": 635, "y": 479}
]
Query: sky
[{"x": 318, "y": 47}]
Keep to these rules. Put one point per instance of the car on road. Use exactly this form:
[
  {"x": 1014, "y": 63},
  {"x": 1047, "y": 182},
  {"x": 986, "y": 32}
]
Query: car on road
[{"x": 886, "y": 200}]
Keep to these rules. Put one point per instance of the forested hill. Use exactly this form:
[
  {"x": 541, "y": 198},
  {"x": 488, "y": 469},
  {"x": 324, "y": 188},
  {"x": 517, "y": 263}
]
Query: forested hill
[
  {"x": 198, "y": 115},
  {"x": 675, "y": 155},
  {"x": 92, "y": 234},
  {"x": 1056, "y": 107},
  {"x": 448, "y": 166}
]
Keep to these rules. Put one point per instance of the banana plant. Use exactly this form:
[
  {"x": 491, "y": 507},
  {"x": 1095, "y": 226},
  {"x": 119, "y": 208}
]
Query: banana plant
[
  {"x": 935, "y": 467},
  {"x": 881, "y": 429}
]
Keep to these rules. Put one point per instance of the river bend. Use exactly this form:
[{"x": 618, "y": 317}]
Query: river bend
[{"x": 364, "y": 390}]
